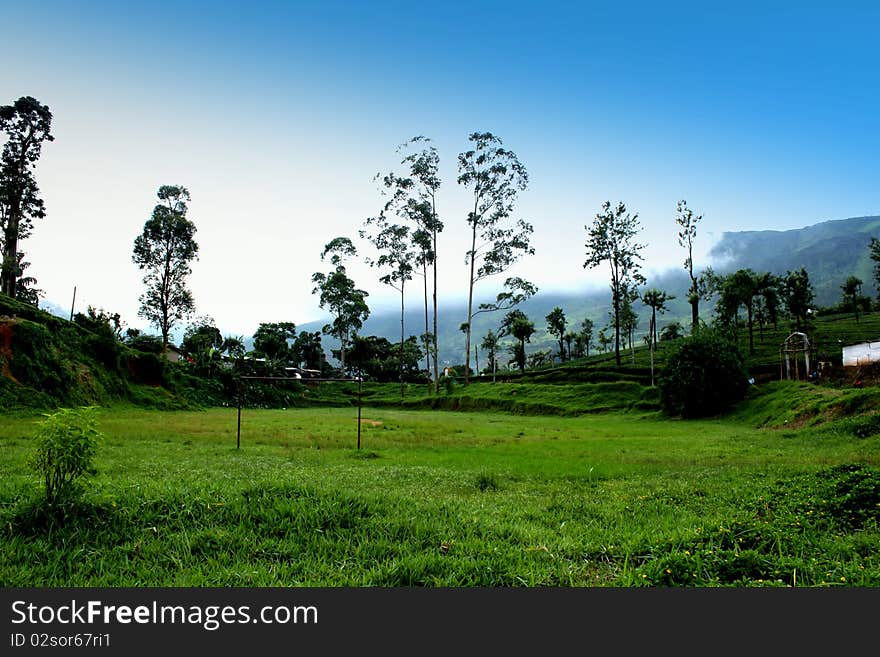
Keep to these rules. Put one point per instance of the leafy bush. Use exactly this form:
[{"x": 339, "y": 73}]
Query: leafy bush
[
  {"x": 66, "y": 443},
  {"x": 703, "y": 376}
]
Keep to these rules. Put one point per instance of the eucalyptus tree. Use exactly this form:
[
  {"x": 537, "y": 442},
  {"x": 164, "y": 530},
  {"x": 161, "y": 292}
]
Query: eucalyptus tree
[
  {"x": 339, "y": 295},
  {"x": 494, "y": 176},
  {"x": 515, "y": 291},
  {"x": 740, "y": 289},
  {"x": 413, "y": 198},
  {"x": 424, "y": 257},
  {"x": 584, "y": 337},
  {"x": 164, "y": 250},
  {"x": 629, "y": 319},
  {"x": 397, "y": 258},
  {"x": 746, "y": 288},
  {"x": 797, "y": 295},
  {"x": 769, "y": 287},
  {"x": 611, "y": 239},
  {"x": 687, "y": 222},
  {"x": 556, "y": 323},
  {"x": 874, "y": 255},
  {"x": 27, "y": 124},
  {"x": 519, "y": 326},
  {"x": 852, "y": 292},
  {"x": 656, "y": 300},
  {"x": 490, "y": 346},
  {"x": 569, "y": 338},
  {"x": 604, "y": 339}
]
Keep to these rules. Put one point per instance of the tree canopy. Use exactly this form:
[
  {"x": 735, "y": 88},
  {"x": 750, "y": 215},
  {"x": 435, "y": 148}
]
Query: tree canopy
[
  {"x": 27, "y": 123},
  {"x": 164, "y": 251},
  {"x": 611, "y": 238}
]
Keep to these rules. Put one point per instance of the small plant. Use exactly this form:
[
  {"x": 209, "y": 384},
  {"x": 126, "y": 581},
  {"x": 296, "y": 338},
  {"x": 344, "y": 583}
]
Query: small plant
[
  {"x": 66, "y": 444},
  {"x": 486, "y": 482}
]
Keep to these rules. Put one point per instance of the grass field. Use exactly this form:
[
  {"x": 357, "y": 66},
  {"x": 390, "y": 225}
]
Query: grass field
[{"x": 441, "y": 498}]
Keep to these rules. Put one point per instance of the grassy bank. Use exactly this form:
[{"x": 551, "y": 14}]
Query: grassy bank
[{"x": 448, "y": 499}]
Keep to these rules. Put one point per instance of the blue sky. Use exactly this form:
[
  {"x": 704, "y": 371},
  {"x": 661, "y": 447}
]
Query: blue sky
[{"x": 276, "y": 116}]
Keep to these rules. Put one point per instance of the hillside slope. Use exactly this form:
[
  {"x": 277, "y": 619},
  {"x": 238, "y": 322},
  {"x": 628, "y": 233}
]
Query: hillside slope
[
  {"x": 47, "y": 361},
  {"x": 830, "y": 251}
]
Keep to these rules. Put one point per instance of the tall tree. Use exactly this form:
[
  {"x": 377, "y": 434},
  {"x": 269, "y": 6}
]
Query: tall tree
[
  {"x": 629, "y": 319},
  {"x": 769, "y": 287},
  {"x": 604, "y": 339},
  {"x": 308, "y": 352},
  {"x": 584, "y": 338},
  {"x": 490, "y": 346},
  {"x": 741, "y": 289},
  {"x": 272, "y": 341},
  {"x": 569, "y": 338},
  {"x": 852, "y": 292},
  {"x": 397, "y": 257},
  {"x": 424, "y": 257},
  {"x": 874, "y": 254},
  {"x": 27, "y": 124},
  {"x": 656, "y": 300},
  {"x": 164, "y": 250},
  {"x": 556, "y": 324},
  {"x": 797, "y": 294},
  {"x": 518, "y": 325},
  {"x": 424, "y": 165},
  {"x": 687, "y": 222},
  {"x": 494, "y": 175},
  {"x": 340, "y": 296},
  {"x": 611, "y": 238}
]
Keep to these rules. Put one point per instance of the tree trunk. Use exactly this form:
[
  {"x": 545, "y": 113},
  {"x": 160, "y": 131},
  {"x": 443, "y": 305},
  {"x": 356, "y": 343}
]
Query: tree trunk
[
  {"x": 400, "y": 363},
  {"x": 617, "y": 328},
  {"x": 427, "y": 331},
  {"x": 751, "y": 339},
  {"x": 343, "y": 338},
  {"x": 9, "y": 272},
  {"x": 467, "y": 338},
  {"x": 9, "y": 263},
  {"x": 436, "y": 338}
]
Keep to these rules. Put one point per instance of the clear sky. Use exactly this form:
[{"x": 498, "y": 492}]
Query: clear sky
[{"x": 277, "y": 115}]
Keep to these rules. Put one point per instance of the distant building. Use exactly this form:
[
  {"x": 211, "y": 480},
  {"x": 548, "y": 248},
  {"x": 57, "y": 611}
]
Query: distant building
[
  {"x": 174, "y": 354},
  {"x": 861, "y": 354}
]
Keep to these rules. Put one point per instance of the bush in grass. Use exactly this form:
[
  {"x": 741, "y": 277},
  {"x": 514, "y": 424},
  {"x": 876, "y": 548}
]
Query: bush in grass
[
  {"x": 703, "y": 376},
  {"x": 66, "y": 444}
]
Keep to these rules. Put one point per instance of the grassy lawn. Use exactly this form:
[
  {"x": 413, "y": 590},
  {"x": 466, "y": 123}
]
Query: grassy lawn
[{"x": 441, "y": 498}]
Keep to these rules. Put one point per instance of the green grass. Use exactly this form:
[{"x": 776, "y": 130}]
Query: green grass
[
  {"x": 449, "y": 499},
  {"x": 520, "y": 398}
]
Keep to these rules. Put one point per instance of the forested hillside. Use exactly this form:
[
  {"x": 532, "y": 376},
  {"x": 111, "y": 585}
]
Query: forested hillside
[{"x": 830, "y": 251}]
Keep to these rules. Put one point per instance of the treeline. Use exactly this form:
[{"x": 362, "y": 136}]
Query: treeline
[{"x": 400, "y": 241}]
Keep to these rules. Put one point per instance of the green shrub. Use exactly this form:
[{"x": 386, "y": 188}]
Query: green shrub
[
  {"x": 703, "y": 376},
  {"x": 66, "y": 443}
]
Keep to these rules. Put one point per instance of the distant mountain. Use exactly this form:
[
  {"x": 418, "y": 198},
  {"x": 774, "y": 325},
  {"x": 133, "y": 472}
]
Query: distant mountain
[{"x": 830, "y": 251}]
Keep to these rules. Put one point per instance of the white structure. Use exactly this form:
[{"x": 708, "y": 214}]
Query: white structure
[
  {"x": 861, "y": 354},
  {"x": 794, "y": 348}
]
